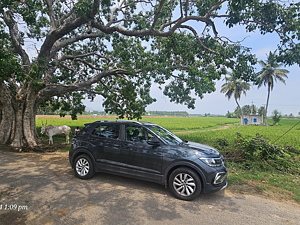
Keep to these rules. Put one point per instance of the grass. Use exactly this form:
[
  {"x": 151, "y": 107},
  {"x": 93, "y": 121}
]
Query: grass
[
  {"x": 275, "y": 134},
  {"x": 179, "y": 124},
  {"x": 270, "y": 183},
  {"x": 207, "y": 130}
]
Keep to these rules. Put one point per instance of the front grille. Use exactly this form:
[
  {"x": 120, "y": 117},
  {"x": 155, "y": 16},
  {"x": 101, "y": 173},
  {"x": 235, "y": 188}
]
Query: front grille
[{"x": 220, "y": 177}]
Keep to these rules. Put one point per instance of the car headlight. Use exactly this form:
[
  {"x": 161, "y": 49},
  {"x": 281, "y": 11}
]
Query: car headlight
[{"x": 213, "y": 162}]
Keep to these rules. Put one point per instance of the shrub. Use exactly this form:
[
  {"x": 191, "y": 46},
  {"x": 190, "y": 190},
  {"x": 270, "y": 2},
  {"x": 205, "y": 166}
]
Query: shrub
[
  {"x": 221, "y": 143},
  {"x": 256, "y": 147},
  {"x": 254, "y": 151},
  {"x": 276, "y": 116}
]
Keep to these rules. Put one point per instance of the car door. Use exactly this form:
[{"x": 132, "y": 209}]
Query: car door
[
  {"x": 106, "y": 146},
  {"x": 138, "y": 157}
]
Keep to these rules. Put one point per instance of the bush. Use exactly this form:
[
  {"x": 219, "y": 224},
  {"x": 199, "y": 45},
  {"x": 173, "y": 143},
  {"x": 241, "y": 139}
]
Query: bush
[
  {"x": 257, "y": 152},
  {"x": 276, "y": 116},
  {"x": 221, "y": 143},
  {"x": 256, "y": 147}
]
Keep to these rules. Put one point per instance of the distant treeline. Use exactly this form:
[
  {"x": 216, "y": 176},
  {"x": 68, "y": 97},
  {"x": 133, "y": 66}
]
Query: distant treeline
[
  {"x": 148, "y": 113},
  {"x": 168, "y": 113}
]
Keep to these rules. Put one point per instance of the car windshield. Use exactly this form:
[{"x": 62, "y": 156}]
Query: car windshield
[{"x": 165, "y": 135}]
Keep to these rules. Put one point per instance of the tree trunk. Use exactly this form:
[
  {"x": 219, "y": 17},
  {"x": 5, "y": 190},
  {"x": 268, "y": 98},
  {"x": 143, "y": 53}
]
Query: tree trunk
[
  {"x": 267, "y": 105},
  {"x": 242, "y": 114},
  {"x": 17, "y": 119}
]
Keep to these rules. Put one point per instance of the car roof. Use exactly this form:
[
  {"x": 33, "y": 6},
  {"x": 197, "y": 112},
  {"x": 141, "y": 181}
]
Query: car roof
[{"x": 122, "y": 121}]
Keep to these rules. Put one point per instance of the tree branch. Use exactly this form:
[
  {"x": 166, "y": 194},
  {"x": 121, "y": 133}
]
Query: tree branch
[
  {"x": 56, "y": 34},
  {"x": 214, "y": 7},
  {"x": 264, "y": 25},
  {"x": 63, "y": 43},
  {"x": 198, "y": 39},
  {"x": 70, "y": 23},
  {"x": 157, "y": 15},
  {"x": 142, "y": 33},
  {"x": 60, "y": 89},
  {"x": 50, "y": 12},
  {"x": 15, "y": 37}
]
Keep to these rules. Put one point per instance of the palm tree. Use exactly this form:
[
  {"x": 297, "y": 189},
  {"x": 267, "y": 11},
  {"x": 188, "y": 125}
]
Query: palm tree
[
  {"x": 235, "y": 87},
  {"x": 270, "y": 73}
]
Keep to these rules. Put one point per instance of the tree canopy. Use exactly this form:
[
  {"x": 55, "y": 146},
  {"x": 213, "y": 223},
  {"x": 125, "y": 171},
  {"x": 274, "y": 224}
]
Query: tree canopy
[{"x": 59, "y": 50}]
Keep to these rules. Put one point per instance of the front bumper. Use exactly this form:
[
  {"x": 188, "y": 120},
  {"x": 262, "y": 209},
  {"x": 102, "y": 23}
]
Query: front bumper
[
  {"x": 218, "y": 183},
  {"x": 220, "y": 177}
]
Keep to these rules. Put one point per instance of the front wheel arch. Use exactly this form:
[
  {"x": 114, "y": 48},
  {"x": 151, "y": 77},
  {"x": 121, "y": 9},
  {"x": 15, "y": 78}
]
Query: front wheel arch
[
  {"x": 170, "y": 169},
  {"x": 185, "y": 183}
]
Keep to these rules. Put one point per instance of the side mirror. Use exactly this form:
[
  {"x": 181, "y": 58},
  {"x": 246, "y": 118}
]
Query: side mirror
[{"x": 153, "y": 141}]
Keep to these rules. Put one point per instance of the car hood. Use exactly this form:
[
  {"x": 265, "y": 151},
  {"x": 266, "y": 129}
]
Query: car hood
[
  {"x": 205, "y": 149},
  {"x": 194, "y": 150}
]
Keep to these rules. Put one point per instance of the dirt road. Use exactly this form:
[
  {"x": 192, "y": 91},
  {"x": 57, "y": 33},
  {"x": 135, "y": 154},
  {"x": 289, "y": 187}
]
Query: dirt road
[{"x": 41, "y": 189}]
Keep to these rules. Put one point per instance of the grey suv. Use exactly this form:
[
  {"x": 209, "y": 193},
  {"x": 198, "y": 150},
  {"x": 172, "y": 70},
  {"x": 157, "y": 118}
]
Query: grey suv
[{"x": 147, "y": 151}]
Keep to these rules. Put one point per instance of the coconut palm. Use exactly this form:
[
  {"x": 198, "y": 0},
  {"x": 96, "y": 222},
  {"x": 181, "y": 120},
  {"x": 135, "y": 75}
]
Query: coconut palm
[
  {"x": 235, "y": 87},
  {"x": 270, "y": 73}
]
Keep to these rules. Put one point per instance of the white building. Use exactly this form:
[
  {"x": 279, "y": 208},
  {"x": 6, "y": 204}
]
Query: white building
[{"x": 252, "y": 120}]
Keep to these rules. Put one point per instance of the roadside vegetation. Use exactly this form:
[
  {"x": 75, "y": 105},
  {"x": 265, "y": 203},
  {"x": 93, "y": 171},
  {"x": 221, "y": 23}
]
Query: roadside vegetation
[{"x": 261, "y": 159}]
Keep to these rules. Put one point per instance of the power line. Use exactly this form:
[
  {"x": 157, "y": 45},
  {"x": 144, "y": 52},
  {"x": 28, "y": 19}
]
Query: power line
[{"x": 286, "y": 132}]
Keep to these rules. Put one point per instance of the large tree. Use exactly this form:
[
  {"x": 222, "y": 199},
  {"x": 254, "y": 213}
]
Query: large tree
[
  {"x": 270, "y": 73},
  {"x": 58, "y": 50}
]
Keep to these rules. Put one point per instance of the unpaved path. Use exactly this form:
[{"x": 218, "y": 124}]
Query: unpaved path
[{"x": 41, "y": 189}]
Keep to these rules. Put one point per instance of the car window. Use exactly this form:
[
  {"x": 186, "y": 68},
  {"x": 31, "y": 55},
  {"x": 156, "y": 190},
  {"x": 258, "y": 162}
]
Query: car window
[
  {"x": 107, "y": 130},
  {"x": 137, "y": 134},
  {"x": 166, "y": 135},
  {"x": 86, "y": 128}
]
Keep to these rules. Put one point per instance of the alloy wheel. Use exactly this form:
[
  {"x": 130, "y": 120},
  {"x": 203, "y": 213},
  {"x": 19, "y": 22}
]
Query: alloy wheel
[
  {"x": 184, "y": 184},
  {"x": 82, "y": 167}
]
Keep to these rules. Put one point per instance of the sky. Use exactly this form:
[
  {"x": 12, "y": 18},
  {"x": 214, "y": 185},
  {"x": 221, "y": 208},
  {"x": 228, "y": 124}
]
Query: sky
[{"x": 284, "y": 98}]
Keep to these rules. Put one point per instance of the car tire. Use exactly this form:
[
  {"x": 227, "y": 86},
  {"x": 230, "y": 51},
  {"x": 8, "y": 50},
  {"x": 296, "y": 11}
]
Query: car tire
[
  {"x": 184, "y": 184},
  {"x": 83, "y": 167}
]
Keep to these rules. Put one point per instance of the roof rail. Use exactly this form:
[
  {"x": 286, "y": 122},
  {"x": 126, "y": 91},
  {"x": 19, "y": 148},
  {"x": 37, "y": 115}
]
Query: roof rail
[{"x": 117, "y": 120}]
